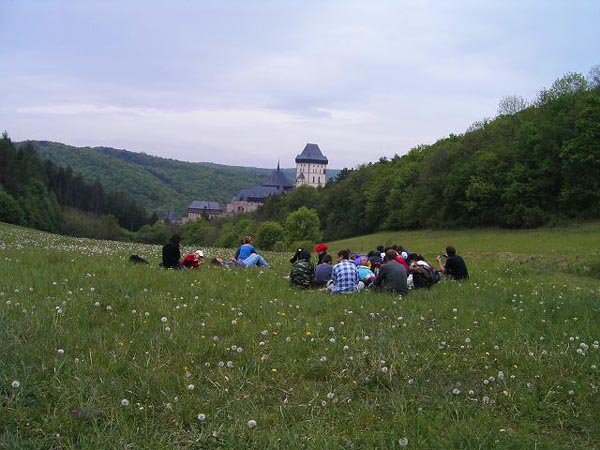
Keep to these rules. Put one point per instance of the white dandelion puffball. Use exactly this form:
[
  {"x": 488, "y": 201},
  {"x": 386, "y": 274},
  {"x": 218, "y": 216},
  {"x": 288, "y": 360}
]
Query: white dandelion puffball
[
  {"x": 456, "y": 391},
  {"x": 16, "y": 384},
  {"x": 60, "y": 351},
  {"x": 124, "y": 402},
  {"x": 201, "y": 417},
  {"x": 190, "y": 387},
  {"x": 163, "y": 319},
  {"x": 403, "y": 442},
  {"x": 251, "y": 423}
]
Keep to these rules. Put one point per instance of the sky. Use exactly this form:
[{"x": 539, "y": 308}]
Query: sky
[{"x": 251, "y": 82}]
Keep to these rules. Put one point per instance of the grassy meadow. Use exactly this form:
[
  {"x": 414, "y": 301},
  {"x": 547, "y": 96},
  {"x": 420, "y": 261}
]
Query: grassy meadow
[{"x": 98, "y": 353}]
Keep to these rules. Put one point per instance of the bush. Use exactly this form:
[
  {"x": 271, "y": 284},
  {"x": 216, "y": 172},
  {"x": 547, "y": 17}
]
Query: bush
[
  {"x": 268, "y": 234},
  {"x": 303, "y": 225},
  {"x": 10, "y": 211},
  {"x": 81, "y": 224}
]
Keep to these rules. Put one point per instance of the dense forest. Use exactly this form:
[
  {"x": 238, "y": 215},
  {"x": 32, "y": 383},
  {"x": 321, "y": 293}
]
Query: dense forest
[
  {"x": 39, "y": 194},
  {"x": 156, "y": 184},
  {"x": 536, "y": 163}
]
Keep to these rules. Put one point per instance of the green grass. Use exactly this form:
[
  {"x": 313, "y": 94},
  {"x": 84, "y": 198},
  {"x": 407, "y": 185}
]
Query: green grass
[{"x": 315, "y": 371}]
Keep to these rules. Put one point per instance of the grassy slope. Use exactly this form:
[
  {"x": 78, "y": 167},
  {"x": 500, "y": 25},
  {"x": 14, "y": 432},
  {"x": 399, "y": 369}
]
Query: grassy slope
[{"x": 520, "y": 314}]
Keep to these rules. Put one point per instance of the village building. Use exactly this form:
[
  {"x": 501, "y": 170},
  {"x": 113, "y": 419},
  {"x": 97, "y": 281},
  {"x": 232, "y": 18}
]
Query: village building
[
  {"x": 250, "y": 199},
  {"x": 206, "y": 209},
  {"x": 311, "y": 167}
]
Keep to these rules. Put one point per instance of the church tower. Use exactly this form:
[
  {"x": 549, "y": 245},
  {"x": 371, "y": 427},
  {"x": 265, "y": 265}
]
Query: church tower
[{"x": 311, "y": 167}]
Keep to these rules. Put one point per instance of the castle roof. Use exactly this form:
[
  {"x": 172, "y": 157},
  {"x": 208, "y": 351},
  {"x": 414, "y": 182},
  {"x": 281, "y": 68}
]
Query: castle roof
[
  {"x": 278, "y": 179},
  {"x": 201, "y": 205},
  {"x": 311, "y": 154}
]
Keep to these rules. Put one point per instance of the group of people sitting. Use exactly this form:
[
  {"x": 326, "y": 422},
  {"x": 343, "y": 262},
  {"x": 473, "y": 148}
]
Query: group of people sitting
[
  {"x": 393, "y": 270},
  {"x": 246, "y": 256}
]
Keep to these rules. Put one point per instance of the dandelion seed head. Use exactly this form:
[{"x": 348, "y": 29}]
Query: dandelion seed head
[
  {"x": 251, "y": 423},
  {"x": 201, "y": 417},
  {"x": 124, "y": 402},
  {"x": 16, "y": 384}
]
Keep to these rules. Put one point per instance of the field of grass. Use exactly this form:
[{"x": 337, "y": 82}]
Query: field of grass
[{"x": 97, "y": 353}]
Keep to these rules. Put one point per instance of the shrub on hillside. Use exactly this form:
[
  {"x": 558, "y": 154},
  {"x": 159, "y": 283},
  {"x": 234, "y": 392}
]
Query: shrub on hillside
[
  {"x": 268, "y": 234},
  {"x": 81, "y": 224},
  {"x": 10, "y": 211}
]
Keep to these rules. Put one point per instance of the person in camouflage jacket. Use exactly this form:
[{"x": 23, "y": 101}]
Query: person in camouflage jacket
[{"x": 303, "y": 272}]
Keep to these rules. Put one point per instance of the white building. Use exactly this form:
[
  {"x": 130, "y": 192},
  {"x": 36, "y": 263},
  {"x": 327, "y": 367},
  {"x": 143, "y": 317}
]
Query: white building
[{"x": 311, "y": 167}]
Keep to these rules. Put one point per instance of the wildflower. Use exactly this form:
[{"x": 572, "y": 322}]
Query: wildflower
[
  {"x": 163, "y": 319},
  {"x": 403, "y": 442},
  {"x": 323, "y": 358},
  {"x": 190, "y": 387},
  {"x": 124, "y": 402},
  {"x": 501, "y": 375},
  {"x": 230, "y": 364},
  {"x": 456, "y": 391},
  {"x": 251, "y": 423},
  {"x": 60, "y": 351},
  {"x": 201, "y": 417},
  {"x": 384, "y": 369},
  {"x": 16, "y": 384},
  {"x": 330, "y": 396}
]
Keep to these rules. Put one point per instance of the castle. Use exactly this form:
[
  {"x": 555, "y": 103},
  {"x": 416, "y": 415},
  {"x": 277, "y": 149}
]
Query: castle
[
  {"x": 311, "y": 170},
  {"x": 311, "y": 167}
]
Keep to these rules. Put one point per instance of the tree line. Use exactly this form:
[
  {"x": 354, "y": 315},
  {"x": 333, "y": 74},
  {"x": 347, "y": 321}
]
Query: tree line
[
  {"x": 39, "y": 194},
  {"x": 536, "y": 163}
]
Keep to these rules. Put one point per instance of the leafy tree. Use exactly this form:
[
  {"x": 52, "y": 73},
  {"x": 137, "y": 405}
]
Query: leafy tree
[
  {"x": 580, "y": 193},
  {"x": 268, "y": 234},
  {"x": 10, "y": 211},
  {"x": 303, "y": 225},
  {"x": 511, "y": 105}
]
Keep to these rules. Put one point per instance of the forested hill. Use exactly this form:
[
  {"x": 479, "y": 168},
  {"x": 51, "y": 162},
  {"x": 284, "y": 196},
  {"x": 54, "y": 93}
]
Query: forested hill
[{"x": 157, "y": 184}]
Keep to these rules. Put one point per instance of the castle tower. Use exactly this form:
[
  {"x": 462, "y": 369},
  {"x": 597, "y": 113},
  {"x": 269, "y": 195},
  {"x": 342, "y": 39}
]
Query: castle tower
[{"x": 311, "y": 167}]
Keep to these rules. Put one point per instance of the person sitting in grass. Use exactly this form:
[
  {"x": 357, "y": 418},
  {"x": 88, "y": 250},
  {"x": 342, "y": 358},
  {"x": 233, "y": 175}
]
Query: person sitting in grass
[
  {"x": 365, "y": 274},
  {"x": 193, "y": 260},
  {"x": 455, "y": 267},
  {"x": 303, "y": 272},
  {"x": 246, "y": 255},
  {"x": 392, "y": 275},
  {"x": 321, "y": 251},
  {"x": 171, "y": 254},
  {"x": 323, "y": 272},
  {"x": 344, "y": 275}
]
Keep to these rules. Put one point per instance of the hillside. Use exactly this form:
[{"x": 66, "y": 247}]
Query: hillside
[{"x": 157, "y": 184}]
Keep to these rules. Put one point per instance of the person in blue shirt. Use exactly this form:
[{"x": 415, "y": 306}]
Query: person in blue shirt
[{"x": 247, "y": 256}]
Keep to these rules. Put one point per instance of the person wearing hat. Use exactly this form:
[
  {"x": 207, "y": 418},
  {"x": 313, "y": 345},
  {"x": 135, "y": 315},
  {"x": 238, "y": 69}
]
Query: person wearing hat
[
  {"x": 193, "y": 260},
  {"x": 321, "y": 251}
]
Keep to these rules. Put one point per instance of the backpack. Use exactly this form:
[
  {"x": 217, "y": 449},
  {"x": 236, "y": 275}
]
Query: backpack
[
  {"x": 435, "y": 275},
  {"x": 421, "y": 277},
  {"x": 137, "y": 259}
]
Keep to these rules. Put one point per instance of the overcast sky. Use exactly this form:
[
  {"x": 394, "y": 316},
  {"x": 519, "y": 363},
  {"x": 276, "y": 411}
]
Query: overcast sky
[{"x": 250, "y": 82}]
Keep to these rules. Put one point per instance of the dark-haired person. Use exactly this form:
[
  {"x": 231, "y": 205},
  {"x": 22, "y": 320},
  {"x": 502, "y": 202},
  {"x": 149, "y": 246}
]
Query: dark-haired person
[
  {"x": 455, "y": 267},
  {"x": 392, "y": 275},
  {"x": 323, "y": 272},
  {"x": 171, "y": 254},
  {"x": 303, "y": 272},
  {"x": 344, "y": 275}
]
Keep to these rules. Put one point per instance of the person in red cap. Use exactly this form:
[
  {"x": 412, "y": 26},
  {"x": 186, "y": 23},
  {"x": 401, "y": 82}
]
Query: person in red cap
[{"x": 321, "y": 251}]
